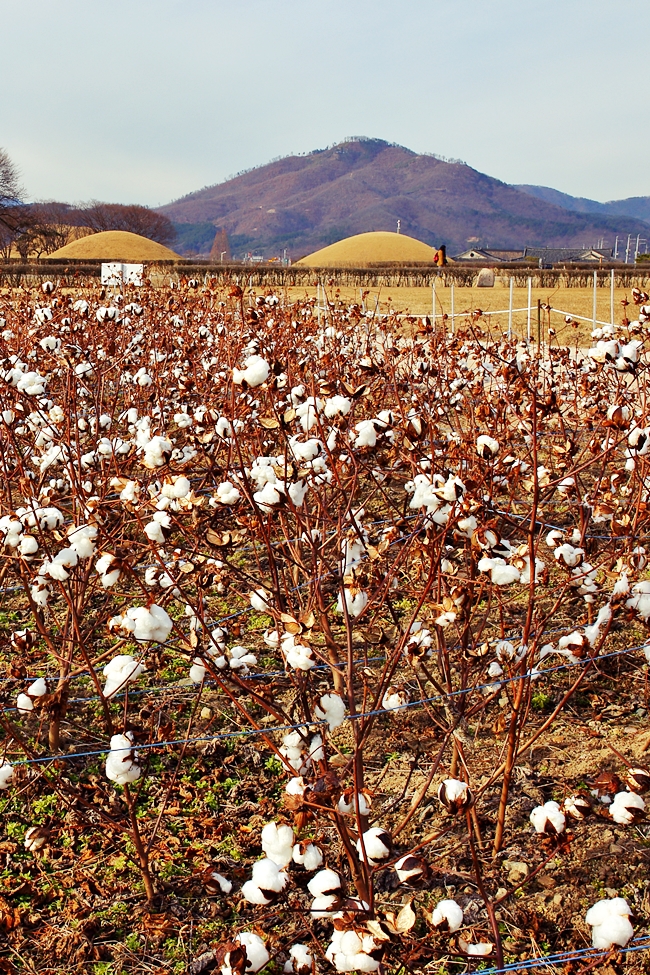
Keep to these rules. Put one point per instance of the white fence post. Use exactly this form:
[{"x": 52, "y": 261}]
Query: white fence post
[
  {"x": 433, "y": 302},
  {"x": 595, "y": 298},
  {"x": 611, "y": 296},
  {"x": 452, "y": 307},
  {"x": 530, "y": 291},
  {"x": 512, "y": 282}
]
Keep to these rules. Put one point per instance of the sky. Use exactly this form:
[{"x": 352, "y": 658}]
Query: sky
[{"x": 144, "y": 101}]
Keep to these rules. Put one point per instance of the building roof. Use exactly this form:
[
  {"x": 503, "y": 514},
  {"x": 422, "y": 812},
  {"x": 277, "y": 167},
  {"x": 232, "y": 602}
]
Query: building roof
[
  {"x": 114, "y": 245},
  {"x": 378, "y": 247}
]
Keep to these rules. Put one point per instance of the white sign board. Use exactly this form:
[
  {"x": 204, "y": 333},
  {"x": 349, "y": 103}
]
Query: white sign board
[
  {"x": 118, "y": 274},
  {"x": 112, "y": 274},
  {"x": 132, "y": 273}
]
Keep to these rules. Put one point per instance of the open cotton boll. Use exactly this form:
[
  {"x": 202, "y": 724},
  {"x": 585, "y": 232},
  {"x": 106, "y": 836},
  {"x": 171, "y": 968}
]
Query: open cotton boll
[
  {"x": 222, "y": 882},
  {"x": 277, "y": 843},
  {"x": 300, "y": 961},
  {"x": 501, "y": 573},
  {"x": 346, "y": 803},
  {"x": 487, "y": 447},
  {"x": 352, "y": 951},
  {"x": 455, "y": 795},
  {"x": 568, "y": 554},
  {"x": 227, "y": 493},
  {"x": 609, "y": 919},
  {"x": 376, "y": 845},
  {"x": 121, "y": 762},
  {"x": 395, "y": 698},
  {"x": 480, "y": 949},
  {"x": 627, "y": 808},
  {"x": 267, "y": 881},
  {"x": 255, "y": 372},
  {"x": 256, "y": 954},
  {"x": 296, "y": 786},
  {"x": 120, "y": 671},
  {"x": 108, "y": 576},
  {"x": 640, "y": 599},
  {"x": 6, "y": 773},
  {"x": 448, "y": 914},
  {"x": 337, "y": 405},
  {"x": 25, "y": 702},
  {"x": 260, "y": 600},
  {"x": 355, "y": 602},
  {"x": 82, "y": 540},
  {"x": 548, "y": 818},
  {"x": 326, "y": 882},
  {"x": 57, "y": 568},
  {"x": 241, "y": 659},
  {"x": 147, "y": 624},
  {"x": 331, "y": 709},
  {"x": 307, "y": 855},
  {"x": 156, "y": 452},
  {"x": 410, "y": 867}
]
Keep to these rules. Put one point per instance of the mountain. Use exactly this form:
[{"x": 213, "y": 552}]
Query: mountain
[
  {"x": 305, "y": 202},
  {"x": 634, "y": 206}
]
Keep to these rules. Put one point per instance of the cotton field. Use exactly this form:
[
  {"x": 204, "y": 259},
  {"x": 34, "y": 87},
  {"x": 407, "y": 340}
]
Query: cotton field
[{"x": 324, "y": 637}]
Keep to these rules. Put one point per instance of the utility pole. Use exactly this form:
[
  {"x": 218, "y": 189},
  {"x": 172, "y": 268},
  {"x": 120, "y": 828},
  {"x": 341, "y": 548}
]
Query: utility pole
[
  {"x": 636, "y": 249},
  {"x": 616, "y": 248},
  {"x": 627, "y": 249}
]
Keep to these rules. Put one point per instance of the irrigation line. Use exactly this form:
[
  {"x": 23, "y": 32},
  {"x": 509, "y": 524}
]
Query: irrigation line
[
  {"x": 641, "y": 943},
  {"x": 377, "y": 712}
]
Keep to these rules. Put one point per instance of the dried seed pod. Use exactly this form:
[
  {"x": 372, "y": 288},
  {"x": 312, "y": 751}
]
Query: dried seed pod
[
  {"x": 577, "y": 806},
  {"x": 36, "y": 838},
  {"x": 638, "y": 779}
]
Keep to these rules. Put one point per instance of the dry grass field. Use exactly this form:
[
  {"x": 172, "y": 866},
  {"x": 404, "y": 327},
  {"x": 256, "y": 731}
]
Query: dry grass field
[{"x": 418, "y": 301}]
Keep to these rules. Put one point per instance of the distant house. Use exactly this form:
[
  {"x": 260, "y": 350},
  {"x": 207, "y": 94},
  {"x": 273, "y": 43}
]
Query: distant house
[
  {"x": 493, "y": 255},
  {"x": 544, "y": 256},
  {"x": 549, "y": 256}
]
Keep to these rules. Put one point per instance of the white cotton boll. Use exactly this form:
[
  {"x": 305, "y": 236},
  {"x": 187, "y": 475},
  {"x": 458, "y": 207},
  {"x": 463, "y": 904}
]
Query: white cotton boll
[
  {"x": 256, "y": 954},
  {"x": 295, "y": 786},
  {"x": 300, "y": 961},
  {"x": 277, "y": 843},
  {"x": 548, "y": 818},
  {"x": 487, "y": 447},
  {"x": 481, "y": 949},
  {"x": 270, "y": 496},
  {"x": 252, "y": 893},
  {"x": 346, "y": 803},
  {"x": 24, "y": 703},
  {"x": 325, "y": 883},
  {"x": 82, "y": 540},
  {"x": 331, "y": 709},
  {"x": 610, "y": 921},
  {"x": 449, "y": 914},
  {"x": 298, "y": 492},
  {"x": 57, "y": 568},
  {"x": 501, "y": 573},
  {"x": 305, "y": 451},
  {"x": 224, "y": 884},
  {"x": 337, "y": 405},
  {"x": 627, "y": 808},
  {"x": 377, "y": 843},
  {"x": 268, "y": 875},
  {"x": 147, "y": 624},
  {"x": 119, "y": 672},
  {"x": 366, "y": 434},
  {"x": 6, "y": 773},
  {"x": 569, "y": 555},
  {"x": 179, "y": 488},
  {"x": 255, "y": 372},
  {"x": 197, "y": 671},
  {"x": 38, "y": 688},
  {"x": 227, "y": 493},
  {"x": 455, "y": 795},
  {"x": 355, "y": 602},
  {"x": 121, "y": 761},
  {"x": 640, "y": 599},
  {"x": 395, "y": 698},
  {"x": 310, "y": 857},
  {"x": 241, "y": 659}
]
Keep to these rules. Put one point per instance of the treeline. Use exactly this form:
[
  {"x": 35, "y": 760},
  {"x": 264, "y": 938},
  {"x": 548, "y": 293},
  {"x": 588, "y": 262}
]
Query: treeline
[{"x": 38, "y": 229}]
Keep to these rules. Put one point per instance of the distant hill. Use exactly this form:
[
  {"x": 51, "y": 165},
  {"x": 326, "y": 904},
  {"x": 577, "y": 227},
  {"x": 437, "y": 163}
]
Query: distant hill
[
  {"x": 634, "y": 206},
  {"x": 306, "y": 202}
]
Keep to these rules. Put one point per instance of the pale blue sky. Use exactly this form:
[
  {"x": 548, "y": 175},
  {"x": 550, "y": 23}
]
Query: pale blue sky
[{"x": 146, "y": 100}]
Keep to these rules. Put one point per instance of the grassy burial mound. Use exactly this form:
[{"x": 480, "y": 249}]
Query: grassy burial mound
[
  {"x": 366, "y": 250},
  {"x": 114, "y": 245}
]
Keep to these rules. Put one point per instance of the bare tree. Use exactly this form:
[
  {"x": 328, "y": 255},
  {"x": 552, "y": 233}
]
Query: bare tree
[
  {"x": 133, "y": 218},
  {"x": 12, "y": 210}
]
